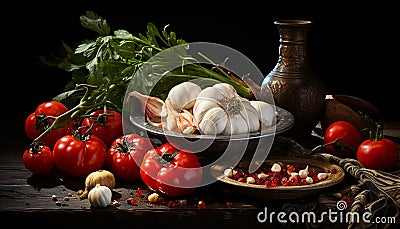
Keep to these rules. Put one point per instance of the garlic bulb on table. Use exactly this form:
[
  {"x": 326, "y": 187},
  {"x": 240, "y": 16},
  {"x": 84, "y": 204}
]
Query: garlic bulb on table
[
  {"x": 100, "y": 196},
  {"x": 219, "y": 110}
]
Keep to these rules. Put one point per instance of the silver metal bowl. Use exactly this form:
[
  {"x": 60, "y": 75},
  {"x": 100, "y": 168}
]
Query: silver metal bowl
[{"x": 209, "y": 147}]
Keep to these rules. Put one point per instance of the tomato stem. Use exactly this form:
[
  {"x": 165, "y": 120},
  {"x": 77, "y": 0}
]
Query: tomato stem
[
  {"x": 166, "y": 158},
  {"x": 378, "y": 135},
  {"x": 335, "y": 144},
  {"x": 34, "y": 147},
  {"x": 85, "y": 104}
]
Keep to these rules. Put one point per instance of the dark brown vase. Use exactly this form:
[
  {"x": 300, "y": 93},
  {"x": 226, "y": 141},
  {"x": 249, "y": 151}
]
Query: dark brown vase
[{"x": 293, "y": 83}]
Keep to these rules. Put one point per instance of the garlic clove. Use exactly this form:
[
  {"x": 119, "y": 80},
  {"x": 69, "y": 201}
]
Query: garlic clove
[
  {"x": 303, "y": 173},
  {"x": 213, "y": 94},
  {"x": 262, "y": 175},
  {"x": 169, "y": 117},
  {"x": 213, "y": 122},
  {"x": 151, "y": 106},
  {"x": 251, "y": 115},
  {"x": 186, "y": 122},
  {"x": 201, "y": 107},
  {"x": 229, "y": 172},
  {"x": 309, "y": 180},
  {"x": 236, "y": 125},
  {"x": 250, "y": 180},
  {"x": 226, "y": 88},
  {"x": 323, "y": 176},
  {"x": 276, "y": 168}
]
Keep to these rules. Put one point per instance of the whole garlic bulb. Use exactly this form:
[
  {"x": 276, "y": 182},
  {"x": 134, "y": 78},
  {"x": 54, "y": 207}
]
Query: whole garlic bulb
[
  {"x": 100, "y": 196},
  {"x": 219, "y": 110},
  {"x": 183, "y": 95}
]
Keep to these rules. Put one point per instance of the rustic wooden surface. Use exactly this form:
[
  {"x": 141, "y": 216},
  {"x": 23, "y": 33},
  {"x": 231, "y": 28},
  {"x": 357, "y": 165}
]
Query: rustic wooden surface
[
  {"x": 28, "y": 197},
  {"x": 26, "y": 200}
]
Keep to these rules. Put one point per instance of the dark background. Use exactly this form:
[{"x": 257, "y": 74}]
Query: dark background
[{"x": 351, "y": 43}]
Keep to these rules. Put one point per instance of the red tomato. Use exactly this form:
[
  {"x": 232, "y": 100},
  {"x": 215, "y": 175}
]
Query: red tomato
[
  {"x": 378, "y": 153},
  {"x": 171, "y": 171},
  {"x": 79, "y": 156},
  {"x": 107, "y": 126},
  {"x": 345, "y": 134},
  {"x": 126, "y": 155},
  {"x": 43, "y": 117},
  {"x": 39, "y": 160}
]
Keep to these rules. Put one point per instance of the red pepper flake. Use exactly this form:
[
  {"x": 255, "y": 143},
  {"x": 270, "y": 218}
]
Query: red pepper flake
[
  {"x": 150, "y": 205},
  {"x": 131, "y": 201},
  {"x": 346, "y": 199},
  {"x": 139, "y": 193},
  {"x": 202, "y": 204},
  {"x": 334, "y": 171},
  {"x": 172, "y": 204},
  {"x": 161, "y": 200}
]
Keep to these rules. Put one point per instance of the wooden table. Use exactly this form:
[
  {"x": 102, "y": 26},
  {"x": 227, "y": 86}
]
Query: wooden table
[{"x": 52, "y": 201}]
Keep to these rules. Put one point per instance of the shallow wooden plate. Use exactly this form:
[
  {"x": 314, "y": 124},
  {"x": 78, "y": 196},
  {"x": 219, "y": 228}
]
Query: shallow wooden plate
[{"x": 284, "y": 192}]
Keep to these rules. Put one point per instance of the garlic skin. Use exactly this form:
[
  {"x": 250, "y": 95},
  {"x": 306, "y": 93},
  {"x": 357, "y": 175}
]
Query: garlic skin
[
  {"x": 100, "y": 196},
  {"x": 219, "y": 110},
  {"x": 266, "y": 113}
]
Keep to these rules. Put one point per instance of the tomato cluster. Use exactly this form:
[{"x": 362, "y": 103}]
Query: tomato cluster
[
  {"x": 42, "y": 118},
  {"x": 98, "y": 142},
  {"x": 75, "y": 150}
]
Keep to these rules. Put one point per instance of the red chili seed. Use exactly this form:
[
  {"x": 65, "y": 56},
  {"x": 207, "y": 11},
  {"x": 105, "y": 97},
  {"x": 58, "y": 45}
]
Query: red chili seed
[
  {"x": 172, "y": 204},
  {"x": 201, "y": 204},
  {"x": 139, "y": 192},
  {"x": 346, "y": 199},
  {"x": 131, "y": 201}
]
